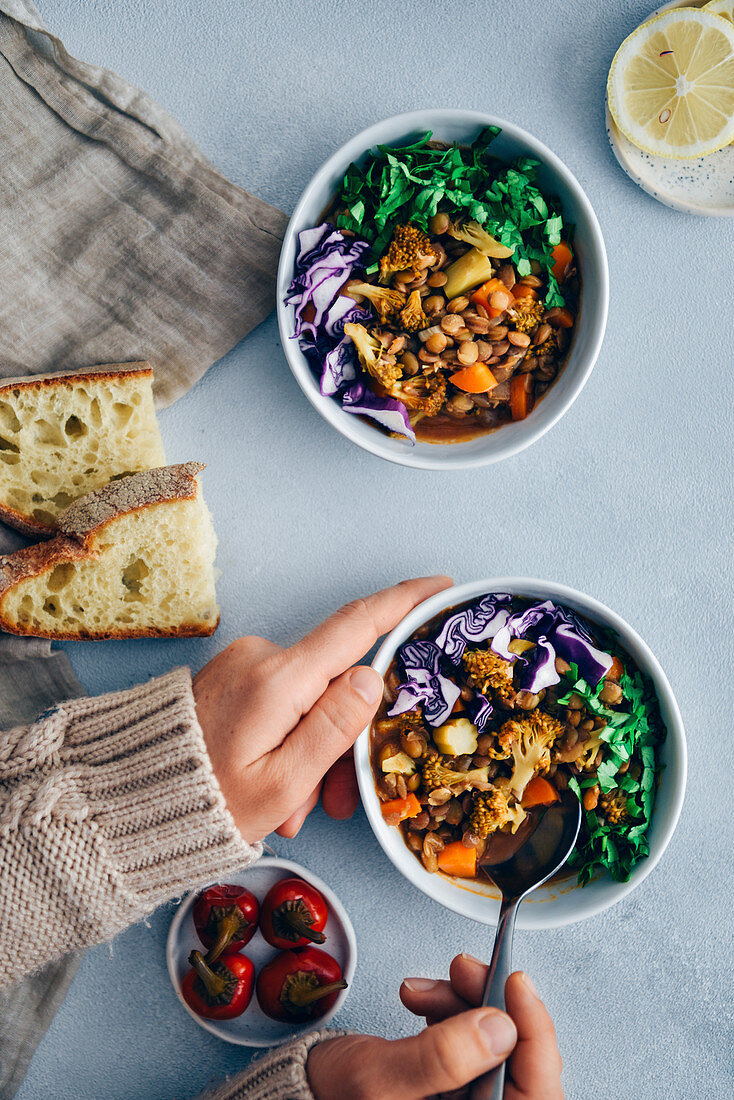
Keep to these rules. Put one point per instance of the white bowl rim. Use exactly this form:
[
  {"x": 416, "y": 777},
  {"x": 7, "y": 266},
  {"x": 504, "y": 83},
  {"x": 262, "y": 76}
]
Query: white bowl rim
[
  {"x": 214, "y": 1027},
  {"x": 448, "y": 457},
  {"x": 406, "y": 861}
]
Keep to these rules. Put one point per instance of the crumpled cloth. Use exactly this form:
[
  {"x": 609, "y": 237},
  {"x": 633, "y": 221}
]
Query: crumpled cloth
[{"x": 119, "y": 241}]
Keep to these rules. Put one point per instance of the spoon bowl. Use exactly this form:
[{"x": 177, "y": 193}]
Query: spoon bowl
[{"x": 549, "y": 839}]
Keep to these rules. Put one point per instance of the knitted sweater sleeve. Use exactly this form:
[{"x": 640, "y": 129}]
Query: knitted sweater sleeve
[
  {"x": 278, "y": 1075},
  {"x": 108, "y": 807}
]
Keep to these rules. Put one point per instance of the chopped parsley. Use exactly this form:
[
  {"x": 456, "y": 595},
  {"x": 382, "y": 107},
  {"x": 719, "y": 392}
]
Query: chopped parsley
[
  {"x": 632, "y": 735},
  {"x": 395, "y": 186}
]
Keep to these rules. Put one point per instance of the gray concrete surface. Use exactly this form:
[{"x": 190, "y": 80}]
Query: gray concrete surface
[{"x": 628, "y": 498}]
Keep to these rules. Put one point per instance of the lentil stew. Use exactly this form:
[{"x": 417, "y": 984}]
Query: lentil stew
[
  {"x": 441, "y": 318},
  {"x": 490, "y": 710}
]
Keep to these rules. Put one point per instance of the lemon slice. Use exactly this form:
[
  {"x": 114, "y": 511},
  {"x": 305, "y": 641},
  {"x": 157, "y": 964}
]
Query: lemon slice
[
  {"x": 724, "y": 8},
  {"x": 671, "y": 84}
]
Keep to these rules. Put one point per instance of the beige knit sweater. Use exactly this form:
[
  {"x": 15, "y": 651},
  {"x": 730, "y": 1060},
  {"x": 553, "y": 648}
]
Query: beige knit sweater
[{"x": 109, "y": 807}]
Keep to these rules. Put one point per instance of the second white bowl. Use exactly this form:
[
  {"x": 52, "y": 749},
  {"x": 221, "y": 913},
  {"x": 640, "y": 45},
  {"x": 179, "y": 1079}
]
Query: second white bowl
[{"x": 554, "y": 179}]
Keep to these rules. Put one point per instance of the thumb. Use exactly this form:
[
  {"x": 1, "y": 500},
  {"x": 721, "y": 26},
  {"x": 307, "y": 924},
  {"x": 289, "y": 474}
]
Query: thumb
[
  {"x": 445, "y": 1056},
  {"x": 332, "y": 725}
]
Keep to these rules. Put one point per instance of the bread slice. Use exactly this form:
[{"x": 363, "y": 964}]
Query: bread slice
[
  {"x": 133, "y": 559},
  {"x": 64, "y": 435}
]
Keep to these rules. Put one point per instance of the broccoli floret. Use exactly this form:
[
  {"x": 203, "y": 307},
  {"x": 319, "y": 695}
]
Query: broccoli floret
[
  {"x": 372, "y": 355},
  {"x": 526, "y": 314},
  {"x": 491, "y": 811},
  {"x": 488, "y": 671},
  {"x": 613, "y": 805},
  {"x": 530, "y": 741},
  {"x": 385, "y": 302},
  {"x": 412, "y": 316},
  {"x": 438, "y": 774},
  {"x": 424, "y": 395},
  {"x": 473, "y": 233},
  {"x": 410, "y": 250}
]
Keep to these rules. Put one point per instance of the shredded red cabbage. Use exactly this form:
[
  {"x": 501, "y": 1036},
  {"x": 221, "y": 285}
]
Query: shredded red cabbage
[
  {"x": 474, "y": 624},
  {"x": 326, "y": 260},
  {"x": 425, "y": 684}
]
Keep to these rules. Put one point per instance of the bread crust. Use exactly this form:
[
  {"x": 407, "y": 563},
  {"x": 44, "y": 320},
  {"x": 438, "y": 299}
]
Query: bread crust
[
  {"x": 141, "y": 368},
  {"x": 79, "y": 374},
  {"x": 87, "y": 516},
  {"x": 26, "y": 527}
]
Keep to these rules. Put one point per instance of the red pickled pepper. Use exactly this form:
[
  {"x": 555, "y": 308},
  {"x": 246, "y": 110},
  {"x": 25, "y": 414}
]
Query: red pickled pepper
[
  {"x": 225, "y": 917},
  {"x": 299, "y": 985},
  {"x": 220, "y": 990},
  {"x": 293, "y": 914}
]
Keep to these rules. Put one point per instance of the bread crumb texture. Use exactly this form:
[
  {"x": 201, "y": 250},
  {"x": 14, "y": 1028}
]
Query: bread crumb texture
[
  {"x": 135, "y": 559},
  {"x": 62, "y": 436}
]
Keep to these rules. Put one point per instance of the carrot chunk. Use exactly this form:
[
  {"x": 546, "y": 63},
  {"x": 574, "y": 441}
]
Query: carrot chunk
[
  {"x": 401, "y": 807},
  {"x": 520, "y": 396},
  {"x": 562, "y": 256},
  {"x": 477, "y": 378},
  {"x": 539, "y": 792},
  {"x": 457, "y": 859}
]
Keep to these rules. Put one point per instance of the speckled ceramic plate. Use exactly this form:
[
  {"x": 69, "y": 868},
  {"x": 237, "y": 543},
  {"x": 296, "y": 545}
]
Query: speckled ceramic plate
[
  {"x": 701, "y": 186},
  {"x": 253, "y": 1028}
]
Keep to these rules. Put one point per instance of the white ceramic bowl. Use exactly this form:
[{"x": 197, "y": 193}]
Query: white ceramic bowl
[
  {"x": 253, "y": 1028},
  {"x": 562, "y": 902},
  {"x": 554, "y": 178}
]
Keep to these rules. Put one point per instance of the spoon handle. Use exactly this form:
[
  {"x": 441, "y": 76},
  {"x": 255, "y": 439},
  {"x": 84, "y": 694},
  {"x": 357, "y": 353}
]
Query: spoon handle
[{"x": 491, "y": 1086}]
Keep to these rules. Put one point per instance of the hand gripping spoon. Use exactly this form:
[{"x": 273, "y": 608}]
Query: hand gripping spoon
[{"x": 547, "y": 847}]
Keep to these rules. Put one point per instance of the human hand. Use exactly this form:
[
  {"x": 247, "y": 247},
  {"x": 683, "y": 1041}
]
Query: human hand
[
  {"x": 460, "y": 1044},
  {"x": 279, "y": 724}
]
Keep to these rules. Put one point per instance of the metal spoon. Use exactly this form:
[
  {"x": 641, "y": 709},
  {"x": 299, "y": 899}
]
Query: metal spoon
[{"x": 548, "y": 845}]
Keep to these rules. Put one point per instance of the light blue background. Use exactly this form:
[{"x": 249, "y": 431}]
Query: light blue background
[{"x": 628, "y": 498}]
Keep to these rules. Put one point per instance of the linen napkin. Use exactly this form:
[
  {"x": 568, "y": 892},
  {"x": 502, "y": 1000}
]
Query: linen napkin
[{"x": 119, "y": 241}]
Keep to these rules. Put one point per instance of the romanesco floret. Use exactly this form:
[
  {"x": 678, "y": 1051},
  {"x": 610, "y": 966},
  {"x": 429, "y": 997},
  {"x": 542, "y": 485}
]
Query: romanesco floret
[
  {"x": 412, "y": 316},
  {"x": 613, "y": 805},
  {"x": 486, "y": 670},
  {"x": 386, "y": 303},
  {"x": 437, "y": 774},
  {"x": 373, "y": 356},
  {"x": 410, "y": 250}
]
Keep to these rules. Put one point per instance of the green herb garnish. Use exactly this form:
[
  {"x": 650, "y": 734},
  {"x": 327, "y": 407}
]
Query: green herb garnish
[
  {"x": 631, "y": 736},
  {"x": 395, "y": 186}
]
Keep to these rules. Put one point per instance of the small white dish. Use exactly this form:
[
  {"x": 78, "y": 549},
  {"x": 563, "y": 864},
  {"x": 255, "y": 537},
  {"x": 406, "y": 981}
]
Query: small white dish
[
  {"x": 554, "y": 179},
  {"x": 701, "y": 186},
  {"x": 560, "y": 902},
  {"x": 253, "y": 1028}
]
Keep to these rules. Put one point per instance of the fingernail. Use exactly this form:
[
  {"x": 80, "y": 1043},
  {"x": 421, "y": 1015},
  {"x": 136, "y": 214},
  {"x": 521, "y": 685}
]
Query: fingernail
[
  {"x": 420, "y": 985},
  {"x": 471, "y": 959},
  {"x": 530, "y": 984},
  {"x": 499, "y": 1032},
  {"x": 367, "y": 683}
]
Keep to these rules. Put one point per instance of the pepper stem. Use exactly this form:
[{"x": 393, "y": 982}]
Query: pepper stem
[
  {"x": 228, "y": 927},
  {"x": 214, "y": 984},
  {"x": 302, "y": 926},
  {"x": 301, "y": 996}
]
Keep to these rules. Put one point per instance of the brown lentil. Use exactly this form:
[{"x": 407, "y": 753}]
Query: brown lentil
[
  {"x": 436, "y": 343},
  {"x": 451, "y": 323},
  {"x": 467, "y": 353}
]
